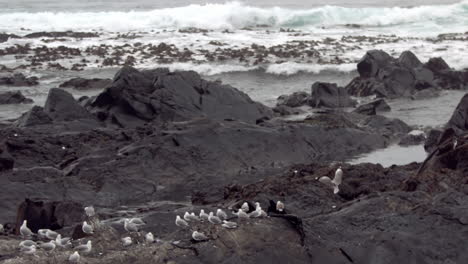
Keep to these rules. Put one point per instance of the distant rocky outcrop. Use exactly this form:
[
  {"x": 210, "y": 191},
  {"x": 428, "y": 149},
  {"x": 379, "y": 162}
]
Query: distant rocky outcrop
[
  {"x": 384, "y": 76},
  {"x": 18, "y": 79},
  {"x": 86, "y": 84},
  {"x": 14, "y": 98}
]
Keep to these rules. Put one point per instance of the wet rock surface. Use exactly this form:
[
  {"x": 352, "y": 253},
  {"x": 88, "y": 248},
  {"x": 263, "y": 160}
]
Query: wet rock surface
[
  {"x": 14, "y": 98},
  {"x": 86, "y": 84},
  {"x": 384, "y": 76},
  {"x": 155, "y": 144},
  {"x": 18, "y": 79},
  {"x": 373, "y": 107}
]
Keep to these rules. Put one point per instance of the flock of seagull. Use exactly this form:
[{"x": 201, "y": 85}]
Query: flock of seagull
[
  {"x": 29, "y": 247},
  {"x": 221, "y": 218}
]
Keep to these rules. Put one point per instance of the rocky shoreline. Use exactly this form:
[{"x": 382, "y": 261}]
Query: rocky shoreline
[{"x": 155, "y": 143}]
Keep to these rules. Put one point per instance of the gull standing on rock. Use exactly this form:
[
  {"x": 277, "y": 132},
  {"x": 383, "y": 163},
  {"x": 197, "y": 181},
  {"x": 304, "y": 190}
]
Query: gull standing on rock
[
  {"x": 241, "y": 214},
  {"x": 89, "y": 210},
  {"x": 194, "y": 217},
  {"x": 279, "y": 206},
  {"x": 86, "y": 248},
  {"x": 51, "y": 234},
  {"x": 28, "y": 250},
  {"x": 187, "y": 217},
  {"x": 257, "y": 213},
  {"x": 87, "y": 229},
  {"x": 198, "y": 236},
  {"x": 127, "y": 241},
  {"x": 335, "y": 182},
  {"x": 62, "y": 242},
  {"x": 27, "y": 243},
  {"x": 181, "y": 222},
  {"x": 203, "y": 216},
  {"x": 149, "y": 238},
  {"x": 229, "y": 225},
  {"x": 245, "y": 207},
  {"x": 221, "y": 214},
  {"x": 49, "y": 246},
  {"x": 24, "y": 230},
  {"x": 74, "y": 258},
  {"x": 214, "y": 219},
  {"x": 41, "y": 233},
  {"x": 130, "y": 227}
]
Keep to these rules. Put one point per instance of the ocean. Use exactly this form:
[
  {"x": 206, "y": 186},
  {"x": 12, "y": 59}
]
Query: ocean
[{"x": 264, "y": 48}]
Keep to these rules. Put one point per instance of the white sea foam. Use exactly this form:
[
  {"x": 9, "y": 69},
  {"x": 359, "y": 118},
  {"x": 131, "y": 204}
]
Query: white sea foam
[
  {"x": 236, "y": 15},
  {"x": 290, "y": 68}
]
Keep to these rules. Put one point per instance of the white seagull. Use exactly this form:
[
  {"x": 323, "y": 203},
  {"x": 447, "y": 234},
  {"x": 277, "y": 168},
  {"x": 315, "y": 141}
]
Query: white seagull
[
  {"x": 221, "y": 214},
  {"x": 62, "y": 242},
  {"x": 279, "y": 206},
  {"x": 245, "y": 207},
  {"x": 51, "y": 234},
  {"x": 89, "y": 210},
  {"x": 214, "y": 219},
  {"x": 27, "y": 243},
  {"x": 149, "y": 237},
  {"x": 181, "y": 222},
  {"x": 49, "y": 246},
  {"x": 241, "y": 214},
  {"x": 198, "y": 236},
  {"x": 86, "y": 248},
  {"x": 87, "y": 228},
  {"x": 194, "y": 217},
  {"x": 25, "y": 231},
  {"x": 1, "y": 228},
  {"x": 74, "y": 258},
  {"x": 127, "y": 241},
  {"x": 229, "y": 224},
  {"x": 203, "y": 216},
  {"x": 28, "y": 250},
  {"x": 130, "y": 227},
  {"x": 187, "y": 217},
  {"x": 335, "y": 182}
]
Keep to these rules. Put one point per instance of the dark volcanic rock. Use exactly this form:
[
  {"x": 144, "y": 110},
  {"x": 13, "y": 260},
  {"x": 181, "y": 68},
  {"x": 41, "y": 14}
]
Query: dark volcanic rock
[
  {"x": 6, "y": 161},
  {"x": 330, "y": 95},
  {"x": 411, "y": 140},
  {"x": 136, "y": 98},
  {"x": 4, "y": 37},
  {"x": 14, "y": 98},
  {"x": 61, "y": 106},
  {"x": 459, "y": 119},
  {"x": 384, "y": 76},
  {"x": 44, "y": 214},
  {"x": 35, "y": 116},
  {"x": 18, "y": 79},
  {"x": 373, "y": 108},
  {"x": 293, "y": 100},
  {"x": 86, "y": 84},
  {"x": 431, "y": 140}
]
